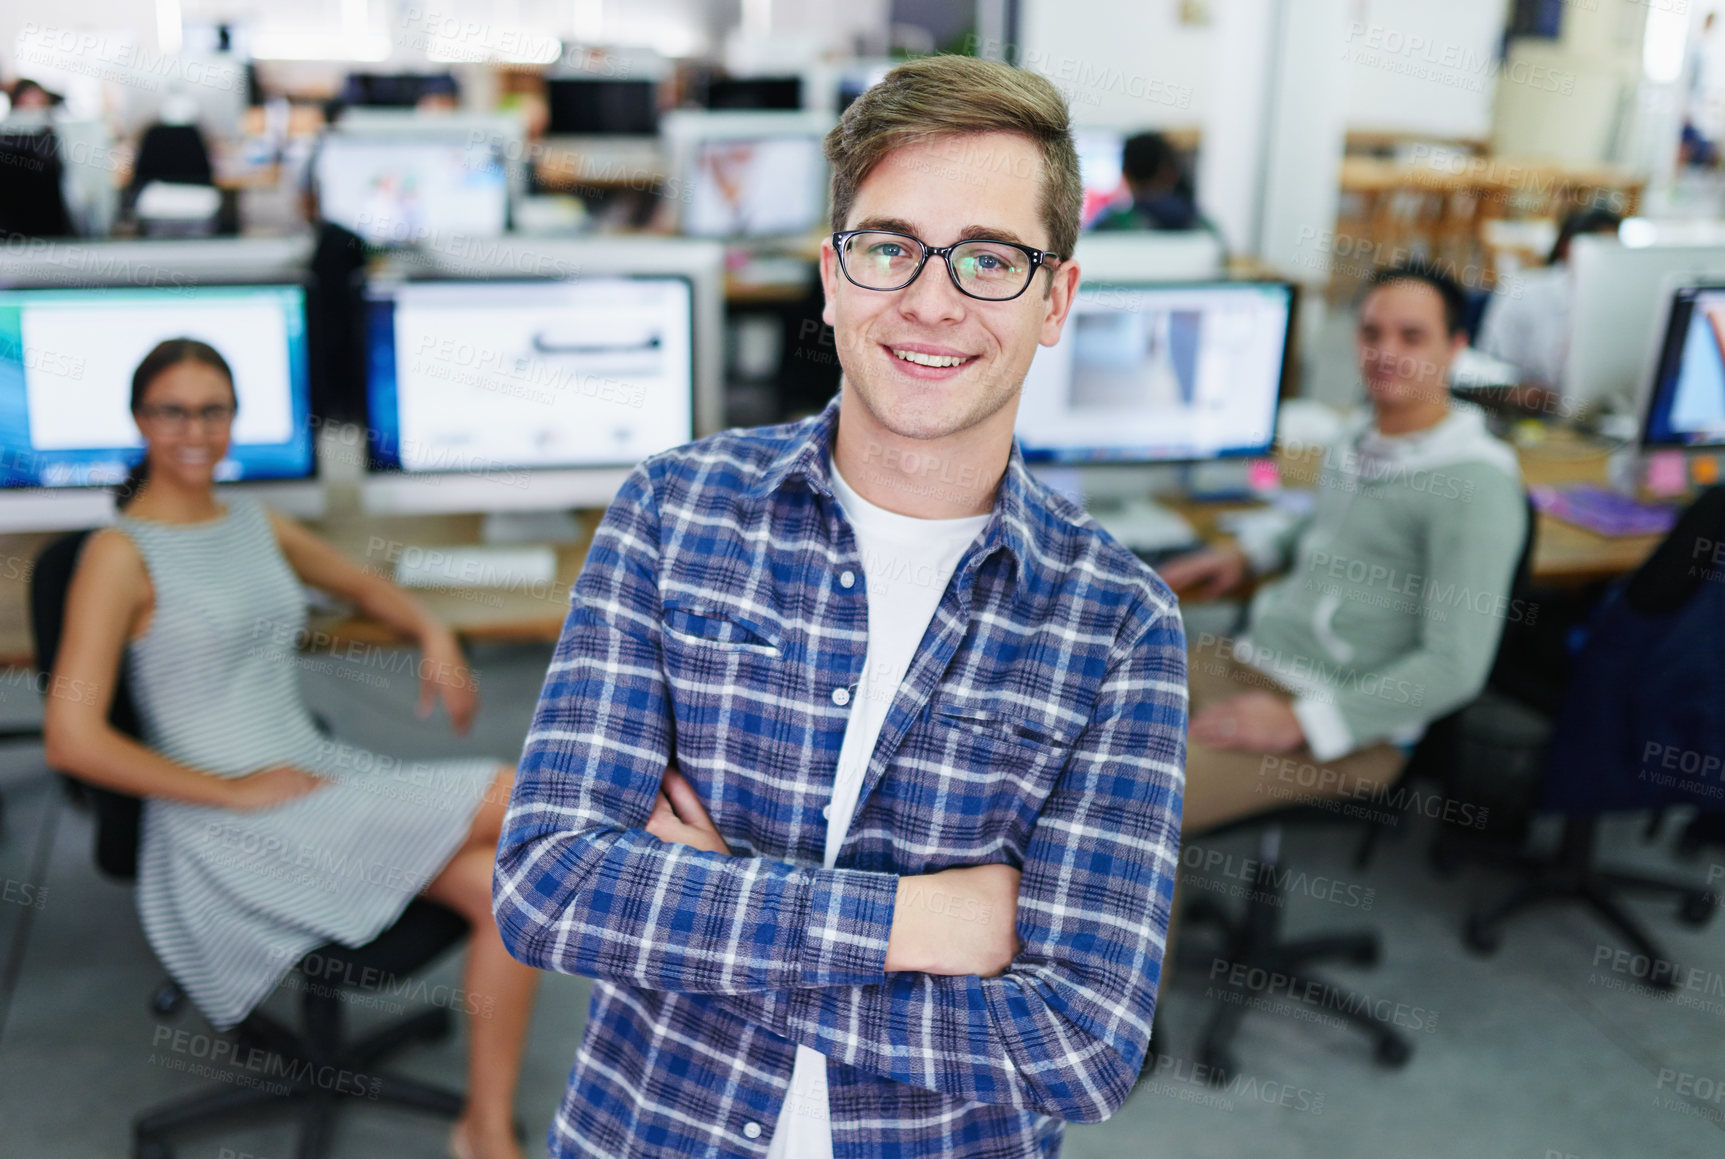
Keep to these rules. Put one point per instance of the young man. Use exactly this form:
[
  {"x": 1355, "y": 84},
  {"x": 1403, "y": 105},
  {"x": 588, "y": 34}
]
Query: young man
[
  {"x": 906, "y": 890},
  {"x": 1399, "y": 585}
]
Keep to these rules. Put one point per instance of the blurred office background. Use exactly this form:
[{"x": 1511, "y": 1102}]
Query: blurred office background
[{"x": 472, "y": 260}]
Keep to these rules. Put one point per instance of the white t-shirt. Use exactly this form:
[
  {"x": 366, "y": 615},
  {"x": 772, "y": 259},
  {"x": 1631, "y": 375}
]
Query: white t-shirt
[{"x": 907, "y": 563}]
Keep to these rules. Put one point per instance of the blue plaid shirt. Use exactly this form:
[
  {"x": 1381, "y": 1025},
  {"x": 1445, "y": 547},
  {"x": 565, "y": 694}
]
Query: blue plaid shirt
[{"x": 1042, "y": 724}]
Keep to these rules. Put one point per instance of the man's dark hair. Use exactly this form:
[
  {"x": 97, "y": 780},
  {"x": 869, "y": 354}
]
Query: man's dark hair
[
  {"x": 1148, "y": 156},
  {"x": 1427, "y": 274}
]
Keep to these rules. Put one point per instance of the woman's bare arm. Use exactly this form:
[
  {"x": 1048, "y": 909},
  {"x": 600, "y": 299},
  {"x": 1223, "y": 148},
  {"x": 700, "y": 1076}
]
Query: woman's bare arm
[
  {"x": 444, "y": 674},
  {"x": 110, "y": 588}
]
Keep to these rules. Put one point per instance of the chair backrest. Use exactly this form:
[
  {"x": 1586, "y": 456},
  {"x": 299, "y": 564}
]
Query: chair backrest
[
  {"x": 32, "y": 202},
  {"x": 117, "y": 815},
  {"x": 172, "y": 153}
]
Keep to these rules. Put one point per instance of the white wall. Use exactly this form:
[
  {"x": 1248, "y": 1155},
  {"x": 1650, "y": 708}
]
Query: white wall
[
  {"x": 1423, "y": 66},
  {"x": 1121, "y": 63}
]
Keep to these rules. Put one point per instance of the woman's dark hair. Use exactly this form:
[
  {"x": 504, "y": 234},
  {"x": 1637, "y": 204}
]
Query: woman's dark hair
[
  {"x": 1581, "y": 221},
  {"x": 168, "y": 352}
]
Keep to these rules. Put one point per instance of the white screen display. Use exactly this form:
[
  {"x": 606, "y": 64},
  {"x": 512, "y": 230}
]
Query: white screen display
[
  {"x": 758, "y": 187},
  {"x": 541, "y": 374},
  {"x": 85, "y": 401},
  {"x": 1155, "y": 373},
  {"x": 395, "y": 192}
]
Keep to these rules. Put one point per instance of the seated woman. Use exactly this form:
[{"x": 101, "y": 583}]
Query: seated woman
[{"x": 263, "y": 839}]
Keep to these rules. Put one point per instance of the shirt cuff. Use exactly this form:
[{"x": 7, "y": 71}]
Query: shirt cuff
[
  {"x": 1327, "y": 734},
  {"x": 850, "y": 920}
]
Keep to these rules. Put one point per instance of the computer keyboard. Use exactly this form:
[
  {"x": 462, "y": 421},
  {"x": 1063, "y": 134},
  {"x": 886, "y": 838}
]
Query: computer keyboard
[{"x": 476, "y": 567}]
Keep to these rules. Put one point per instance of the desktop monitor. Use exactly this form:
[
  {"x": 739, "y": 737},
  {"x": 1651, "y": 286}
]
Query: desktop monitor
[
  {"x": 755, "y": 92},
  {"x": 750, "y": 174},
  {"x": 582, "y": 107},
  {"x": 1617, "y": 296},
  {"x": 1099, "y": 153},
  {"x": 396, "y": 90},
  {"x": 1686, "y": 402},
  {"x": 524, "y": 394},
  {"x": 398, "y": 189},
  {"x": 66, "y": 426},
  {"x": 1153, "y": 373}
]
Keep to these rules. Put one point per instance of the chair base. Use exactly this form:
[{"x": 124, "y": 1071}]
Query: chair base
[
  {"x": 1571, "y": 876},
  {"x": 295, "y": 1078},
  {"x": 1255, "y": 949}
]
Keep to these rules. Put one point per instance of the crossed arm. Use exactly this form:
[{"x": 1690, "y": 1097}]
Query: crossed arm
[{"x": 851, "y": 963}]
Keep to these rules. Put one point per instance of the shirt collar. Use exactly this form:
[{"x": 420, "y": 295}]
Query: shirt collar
[{"x": 808, "y": 459}]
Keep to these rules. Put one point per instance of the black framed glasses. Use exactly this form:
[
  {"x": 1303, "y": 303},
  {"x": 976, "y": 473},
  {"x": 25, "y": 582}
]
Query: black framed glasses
[
  {"x": 176, "y": 418},
  {"x": 994, "y": 271}
]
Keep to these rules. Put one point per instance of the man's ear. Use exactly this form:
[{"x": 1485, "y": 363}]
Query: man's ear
[
  {"x": 1062, "y": 287},
  {"x": 829, "y": 278}
]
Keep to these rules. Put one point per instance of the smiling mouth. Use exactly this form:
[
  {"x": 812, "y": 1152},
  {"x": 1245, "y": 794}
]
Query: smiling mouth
[{"x": 934, "y": 361}]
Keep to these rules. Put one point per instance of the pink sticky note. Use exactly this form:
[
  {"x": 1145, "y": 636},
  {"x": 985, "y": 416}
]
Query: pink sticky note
[
  {"x": 1667, "y": 473},
  {"x": 1263, "y": 476}
]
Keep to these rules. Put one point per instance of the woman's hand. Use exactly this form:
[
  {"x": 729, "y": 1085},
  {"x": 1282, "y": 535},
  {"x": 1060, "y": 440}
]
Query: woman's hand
[
  {"x": 444, "y": 675},
  {"x": 269, "y": 787},
  {"x": 679, "y": 818}
]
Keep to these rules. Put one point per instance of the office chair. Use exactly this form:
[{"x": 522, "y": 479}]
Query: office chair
[
  {"x": 1254, "y": 938},
  {"x": 1648, "y": 672},
  {"x": 32, "y": 202},
  {"x": 423, "y": 933},
  {"x": 173, "y": 153}
]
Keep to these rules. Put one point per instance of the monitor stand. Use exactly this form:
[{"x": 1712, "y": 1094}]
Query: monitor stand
[{"x": 556, "y": 526}]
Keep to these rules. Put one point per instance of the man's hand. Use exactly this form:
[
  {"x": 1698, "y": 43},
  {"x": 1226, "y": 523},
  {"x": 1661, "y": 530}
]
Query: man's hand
[
  {"x": 1259, "y": 722},
  {"x": 957, "y": 921},
  {"x": 1205, "y": 574},
  {"x": 679, "y": 818}
]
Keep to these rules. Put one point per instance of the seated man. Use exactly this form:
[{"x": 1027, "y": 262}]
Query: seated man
[
  {"x": 1390, "y": 614},
  {"x": 906, "y": 891}
]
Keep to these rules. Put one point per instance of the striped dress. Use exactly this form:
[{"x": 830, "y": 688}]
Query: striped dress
[{"x": 231, "y": 899}]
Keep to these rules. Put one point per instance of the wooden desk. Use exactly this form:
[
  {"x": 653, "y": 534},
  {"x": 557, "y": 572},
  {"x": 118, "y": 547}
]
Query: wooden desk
[{"x": 1564, "y": 555}]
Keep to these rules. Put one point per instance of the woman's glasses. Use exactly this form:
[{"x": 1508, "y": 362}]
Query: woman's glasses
[{"x": 175, "y": 419}]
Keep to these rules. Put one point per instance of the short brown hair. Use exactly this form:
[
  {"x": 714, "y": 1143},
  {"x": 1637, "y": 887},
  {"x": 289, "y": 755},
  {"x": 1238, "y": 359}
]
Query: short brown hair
[{"x": 940, "y": 96}]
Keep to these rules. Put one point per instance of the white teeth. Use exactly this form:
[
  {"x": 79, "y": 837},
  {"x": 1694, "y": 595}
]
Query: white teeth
[{"x": 930, "y": 359}]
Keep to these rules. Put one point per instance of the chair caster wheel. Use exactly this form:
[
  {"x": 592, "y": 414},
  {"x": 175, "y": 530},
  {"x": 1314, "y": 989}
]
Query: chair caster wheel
[
  {"x": 150, "y": 1149},
  {"x": 1392, "y": 1052},
  {"x": 166, "y": 999},
  {"x": 1481, "y": 938},
  {"x": 1696, "y": 909}
]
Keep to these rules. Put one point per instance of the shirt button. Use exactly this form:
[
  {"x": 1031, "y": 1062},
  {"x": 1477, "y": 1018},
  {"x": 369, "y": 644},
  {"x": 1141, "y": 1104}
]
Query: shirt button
[
  {"x": 841, "y": 696},
  {"x": 827, "y": 812},
  {"x": 752, "y": 1129},
  {"x": 848, "y": 579}
]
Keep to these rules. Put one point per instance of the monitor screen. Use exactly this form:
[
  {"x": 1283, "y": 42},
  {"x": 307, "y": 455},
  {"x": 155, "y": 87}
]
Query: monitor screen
[
  {"x": 769, "y": 186},
  {"x": 755, "y": 92},
  {"x": 1159, "y": 373},
  {"x": 396, "y": 90},
  {"x": 476, "y": 376},
  {"x": 598, "y": 107},
  {"x": 65, "y": 394},
  {"x": 1099, "y": 172},
  {"x": 401, "y": 190},
  {"x": 1687, "y": 405}
]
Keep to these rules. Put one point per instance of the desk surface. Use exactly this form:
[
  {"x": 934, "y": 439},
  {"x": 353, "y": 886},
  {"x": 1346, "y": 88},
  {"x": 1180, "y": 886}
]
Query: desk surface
[{"x": 1563, "y": 555}]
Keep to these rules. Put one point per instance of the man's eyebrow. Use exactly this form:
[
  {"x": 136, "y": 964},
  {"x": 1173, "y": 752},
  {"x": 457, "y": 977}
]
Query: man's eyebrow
[{"x": 968, "y": 233}]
